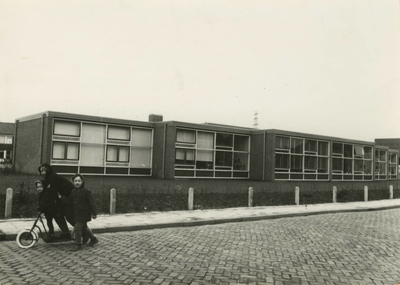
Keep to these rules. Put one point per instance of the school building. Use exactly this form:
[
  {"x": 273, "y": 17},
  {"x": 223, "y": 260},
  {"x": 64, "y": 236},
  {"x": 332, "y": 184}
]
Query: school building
[{"x": 107, "y": 147}]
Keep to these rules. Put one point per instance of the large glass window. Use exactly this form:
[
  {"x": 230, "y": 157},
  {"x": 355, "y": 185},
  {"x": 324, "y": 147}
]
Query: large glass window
[
  {"x": 301, "y": 159},
  {"x": 92, "y": 148},
  {"x": 211, "y": 154},
  {"x": 393, "y": 165},
  {"x": 141, "y": 148},
  {"x": 93, "y": 144},
  {"x": 351, "y": 161},
  {"x": 380, "y": 164}
]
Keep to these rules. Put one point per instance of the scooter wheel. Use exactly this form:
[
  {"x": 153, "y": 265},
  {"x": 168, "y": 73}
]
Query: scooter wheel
[{"x": 27, "y": 238}]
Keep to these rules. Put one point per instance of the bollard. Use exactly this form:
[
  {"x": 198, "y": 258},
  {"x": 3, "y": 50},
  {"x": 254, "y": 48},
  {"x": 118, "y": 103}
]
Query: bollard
[
  {"x": 297, "y": 195},
  {"x": 365, "y": 193},
  {"x": 9, "y": 196},
  {"x": 391, "y": 192},
  {"x": 113, "y": 200},
  {"x": 250, "y": 196},
  {"x": 334, "y": 198},
  {"x": 190, "y": 200}
]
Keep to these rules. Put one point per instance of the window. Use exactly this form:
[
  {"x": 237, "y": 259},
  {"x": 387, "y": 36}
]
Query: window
[
  {"x": 282, "y": 143},
  {"x": 241, "y": 143},
  {"x": 65, "y": 151},
  {"x": 118, "y": 133},
  {"x": 380, "y": 164},
  {"x": 323, "y": 148},
  {"x": 211, "y": 154},
  {"x": 311, "y": 146},
  {"x": 205, "y": 140},
  {"x": 67, "y": 128},
  {"x": 93, "y": 144},
  {"x": 301, "y": 159},
  {"x": 296, "y": 146},
  {"x": 351, "y": 161},
  {"x": 204, "y": 159},
  {"x": 224, "y": 141},
  {"x": 6, "y": 139},
  {"x": 393, "y": 165},
  {"x": 282, "y": 162},
  {"x": 224, "y": 158},
  {"x": 184, "y": 156},
  {"x": 98, "y": 148},
  {"x": 117, "y": 153},
  {"x": 240, "y": 161},
  {"x": 142, "y": 138},
  {"x": 337, "y": 148},
  {"x": 186, "y": 136}
]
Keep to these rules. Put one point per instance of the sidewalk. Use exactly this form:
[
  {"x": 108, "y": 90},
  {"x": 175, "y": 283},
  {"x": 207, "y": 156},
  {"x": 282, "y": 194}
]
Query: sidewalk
[{"x": 154, "y": 220}]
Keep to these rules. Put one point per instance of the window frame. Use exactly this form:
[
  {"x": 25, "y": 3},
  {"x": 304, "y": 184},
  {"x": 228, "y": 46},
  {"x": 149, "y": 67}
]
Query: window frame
[
  {"x": 212, "y": 168},
  {"x": 66, "y": 146},
  {"x": 118, "y": 153}
]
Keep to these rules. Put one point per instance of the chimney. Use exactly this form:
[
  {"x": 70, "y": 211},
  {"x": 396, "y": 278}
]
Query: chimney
[{"x": 155, "y": 118}]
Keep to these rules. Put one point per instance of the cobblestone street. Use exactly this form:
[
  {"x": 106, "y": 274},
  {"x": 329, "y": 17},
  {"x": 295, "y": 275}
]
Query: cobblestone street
[{"x": 342, "y": 248}]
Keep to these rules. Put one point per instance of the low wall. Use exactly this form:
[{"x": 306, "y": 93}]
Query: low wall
[{"x": 146, "y": 194}]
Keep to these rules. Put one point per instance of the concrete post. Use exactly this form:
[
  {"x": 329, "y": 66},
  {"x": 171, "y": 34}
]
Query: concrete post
[
  {"x": 297, "y": 195},
  {"x": 250, "y": 196},
  {"x": 366, "y": 193},
  {"x": 9, "y": 196},
  {"x": 391, "y": 192},
  {"x": 113, "y": 200},
  {"x": 191, "y": 197},
  {"x": 334, "y": 198}
]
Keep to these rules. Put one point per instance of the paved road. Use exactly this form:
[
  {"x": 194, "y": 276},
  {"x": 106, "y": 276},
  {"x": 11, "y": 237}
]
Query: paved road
[{"x": 343, "y": 248}]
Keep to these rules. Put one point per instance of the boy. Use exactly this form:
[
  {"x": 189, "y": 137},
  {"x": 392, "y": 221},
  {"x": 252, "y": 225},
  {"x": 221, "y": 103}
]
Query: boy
[{"x": 84, "y": 210}]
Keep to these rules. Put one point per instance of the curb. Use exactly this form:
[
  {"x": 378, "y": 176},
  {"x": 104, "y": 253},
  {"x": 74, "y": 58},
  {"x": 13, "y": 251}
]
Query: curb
[{"x": 10, "y": 237}]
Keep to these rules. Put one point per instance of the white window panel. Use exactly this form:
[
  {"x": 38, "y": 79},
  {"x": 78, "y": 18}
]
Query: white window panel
[
  {"x": 205, "y": 140},
  {"x": 73, "y": 151},
  {"x": 123, "y": 154},
  {"x": 66, "y": 128},
  {"x": 112, "y": 153},
  {"x": 92, "y": 155},
  {"x": 205, "y": 155},
  {"x": 118, "y": 133},
  {"x": 140, "y": 157},
  {"x": 93, "y": 133},
  {"x": 58, "y": 150},
  {"x": 186, "y": 136},
  {"x": 141, "y": 137}
]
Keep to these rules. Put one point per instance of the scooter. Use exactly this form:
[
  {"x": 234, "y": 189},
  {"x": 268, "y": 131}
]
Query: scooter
[{"x": 30, "y": 236}]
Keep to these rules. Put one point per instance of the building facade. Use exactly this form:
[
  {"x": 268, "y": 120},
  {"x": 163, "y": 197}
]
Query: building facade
[
  {"x": 173, "y": 150},
  {"x": 6, "y": 144}
]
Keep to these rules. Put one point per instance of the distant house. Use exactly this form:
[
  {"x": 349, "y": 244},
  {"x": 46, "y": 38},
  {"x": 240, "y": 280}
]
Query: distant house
[
  {"x": 6, "y": 144},
  {"x": 108, "y": 147}
]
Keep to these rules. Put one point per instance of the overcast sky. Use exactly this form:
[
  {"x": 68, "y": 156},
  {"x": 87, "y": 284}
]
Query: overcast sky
[{"x": 312, "y": 66}]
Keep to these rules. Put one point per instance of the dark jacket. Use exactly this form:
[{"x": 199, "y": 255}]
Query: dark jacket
[
  {"x": 83, "y": 204},
  {"x": 48, "y": 200},
  {"x": 56, "y": 182}
]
